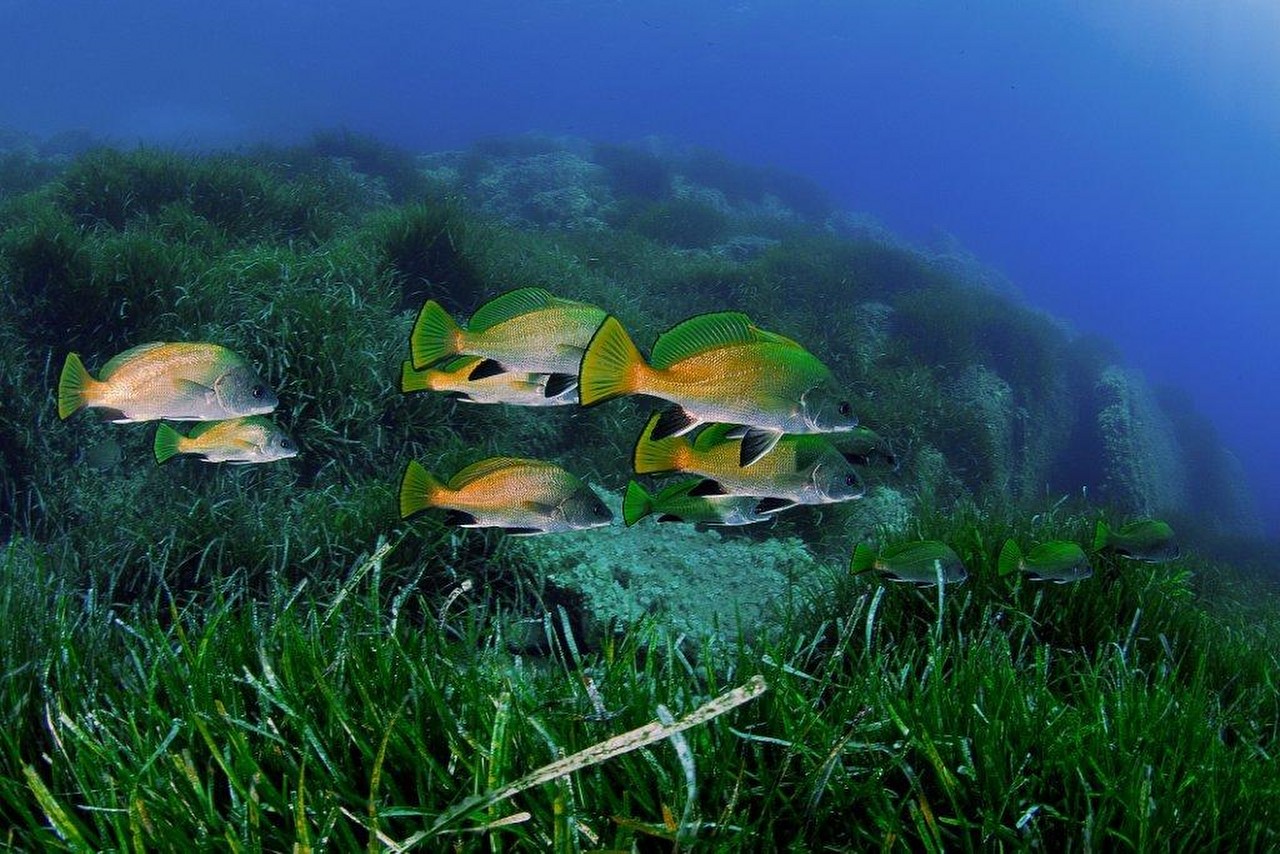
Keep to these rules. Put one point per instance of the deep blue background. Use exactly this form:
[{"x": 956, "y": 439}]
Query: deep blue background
[{"x": 1121, "y": 167}]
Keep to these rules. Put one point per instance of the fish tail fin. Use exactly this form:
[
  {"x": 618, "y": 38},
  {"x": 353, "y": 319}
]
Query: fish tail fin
[
  {"x": 655, "y": 456},
  {"x": 413, "y": 380},
  {"x": 167, "y": 444},
  {"x": 1010, "y": 557},
  {"x": 73, "y": 386},
  {"x": 863, "y": 559},
  {"x": 434, "y": 337},
  {"x": 609, "y": 366},
  {"x": 636, "y": 504},
  {"x": 1101, "y": 535},
  {"x": 418, "y": 489}
]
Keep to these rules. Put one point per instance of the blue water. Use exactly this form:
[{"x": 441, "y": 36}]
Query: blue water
[{"x": 1117, "y": 161}]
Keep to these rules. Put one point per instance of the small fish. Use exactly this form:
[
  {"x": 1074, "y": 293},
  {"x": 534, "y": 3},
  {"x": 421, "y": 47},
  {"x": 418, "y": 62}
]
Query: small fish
[
  {"x": 805, "y": 469},
  {"x": 527, "y": 330},
  {"x": 1058, "y": 560},
  {"x": 517, "y": 389},
  {"x": 1149, "y": 540},
  {"x": 180, "y": 382},
  {"x": 719, "y": 367},
  {"x": 681, "y": 502},
  {"x": 921, "y": 562},
  {"x": 518, "y": 495},
  {"x": 239, "y": 441},
  {"x": 866, "y": 448}
]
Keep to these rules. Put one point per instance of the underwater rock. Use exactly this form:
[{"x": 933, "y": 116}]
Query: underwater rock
[
  {"x": 701, "y": 583},
  {"x": 551, "y": 190},
  {"x": 1144, "y": 469},
  {"x": 883, "y": 510}
]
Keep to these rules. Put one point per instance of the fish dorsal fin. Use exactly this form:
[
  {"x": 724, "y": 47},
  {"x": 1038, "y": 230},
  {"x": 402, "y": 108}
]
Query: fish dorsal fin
[
  {"x": 475, "y": 471},
  {"x": 705, "y": 332},
  {"x": 511, "y": 304},
  {"x": 113, "y": 364}
]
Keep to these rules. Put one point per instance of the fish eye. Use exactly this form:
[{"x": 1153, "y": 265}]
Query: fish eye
[
  {"x": 851, "y": 480},
  {"x": 600, "y": 510},
  {"x": 844, "y": 408},
  {"x": 287, "y": 444},
  {"x": 258, "y": 392}
]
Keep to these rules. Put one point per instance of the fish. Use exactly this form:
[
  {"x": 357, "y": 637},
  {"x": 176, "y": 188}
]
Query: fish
[
  {"x": 239, "y": 441},
  {"x": 520, "y": 496},
  {"x": 178, "y": 382},
  {"x": 920, "y": 562},
  {"x": 681, "y": 502},
  {"x": 805, "y": 468},
  {"x": 527, "y": 330},
  {"x": 517, "y": 389},
  {"x": 1149, "y": 540},
  {"x": 719, "y": 367},
  {"x": 1058, "y": 561},
  {"x": 866, "y": 448}
]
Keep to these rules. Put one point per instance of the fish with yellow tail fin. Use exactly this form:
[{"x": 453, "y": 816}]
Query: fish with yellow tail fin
[
  {"x": 1149, "y": 540},
  {"x": 803, "y": 469},
  {"x": 239, "y": 441},
  {"x": 528, "y": 330},
  {"x": 518, "y": 495},
  {"x": 921, "y": 562},
  {"x": 1058, "y": 561},
  {"x": 681, "y": 502},
  {"x": 453, "y": 377},
  {"x": 719, "y": 367},
  {"x": 180, "y": 382}
]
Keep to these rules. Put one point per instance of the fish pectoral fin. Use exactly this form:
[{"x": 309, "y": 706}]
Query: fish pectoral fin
[
  {"x": 674, "y": 421},
  {"x": 114, "y": 416},
  {"x": 774, "y": 505},
  {"x": 709, "y": 486},
  {"x": 669, "y": 517},
  {"x": 486, "y": 368},
  {"x": 187, "y": 386},
  {"x": 755, "y": 444},
  {"x": 558, "y": 384},
  {"x": 460, "y": 518}
]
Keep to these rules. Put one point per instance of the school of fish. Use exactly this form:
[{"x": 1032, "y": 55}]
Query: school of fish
[{"x": 747, "y": 421}]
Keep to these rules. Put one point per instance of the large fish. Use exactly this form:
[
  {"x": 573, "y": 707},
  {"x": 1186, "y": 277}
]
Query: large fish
[
  {"x": 518, "y": 495},
  {"x": 680, "y": 502},
  {"x": 804, "y": 469},
  {"x": 518, "y": 389},
  {"x": 180, "y": 382},
  {"x": 1059, "y": 561},
  {"x": 239, "y": 441},
  {"x": 722, "y": 368},
  {"x": 527, "y": 330},
  {"x": 1149, "y": 540},
  {"x": 921, "y": 562}
]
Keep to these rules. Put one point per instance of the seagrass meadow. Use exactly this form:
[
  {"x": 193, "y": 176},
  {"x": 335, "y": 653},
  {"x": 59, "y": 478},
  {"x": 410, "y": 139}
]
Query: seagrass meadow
[{"x": 268, "y": 658}]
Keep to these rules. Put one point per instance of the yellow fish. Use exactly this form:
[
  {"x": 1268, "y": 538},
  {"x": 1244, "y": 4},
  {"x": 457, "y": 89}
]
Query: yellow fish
[
  {"x": 719, "y": 367},
  {"x": 248, "y": 439},
  {"x": 517, "y": 389},
  {"x": 518, "y": 495},
  {"x": 180, "y": 382},
  {"x": 804, "y": 469},
  {"x": 527, "y": 330}
]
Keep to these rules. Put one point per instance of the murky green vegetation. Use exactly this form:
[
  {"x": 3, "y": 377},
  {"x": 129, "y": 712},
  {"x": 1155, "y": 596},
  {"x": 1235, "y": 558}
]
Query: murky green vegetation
[{"x": 266, "y": 657}]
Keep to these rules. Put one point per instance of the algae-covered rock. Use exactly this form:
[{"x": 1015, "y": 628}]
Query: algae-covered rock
[
  {"x": 702, "y": 583},
  {"x": 1144, "y": 462}
]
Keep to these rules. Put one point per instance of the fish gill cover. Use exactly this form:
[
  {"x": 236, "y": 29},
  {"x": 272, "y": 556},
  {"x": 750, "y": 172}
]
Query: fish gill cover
[{"x": 276, "y": 676}]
